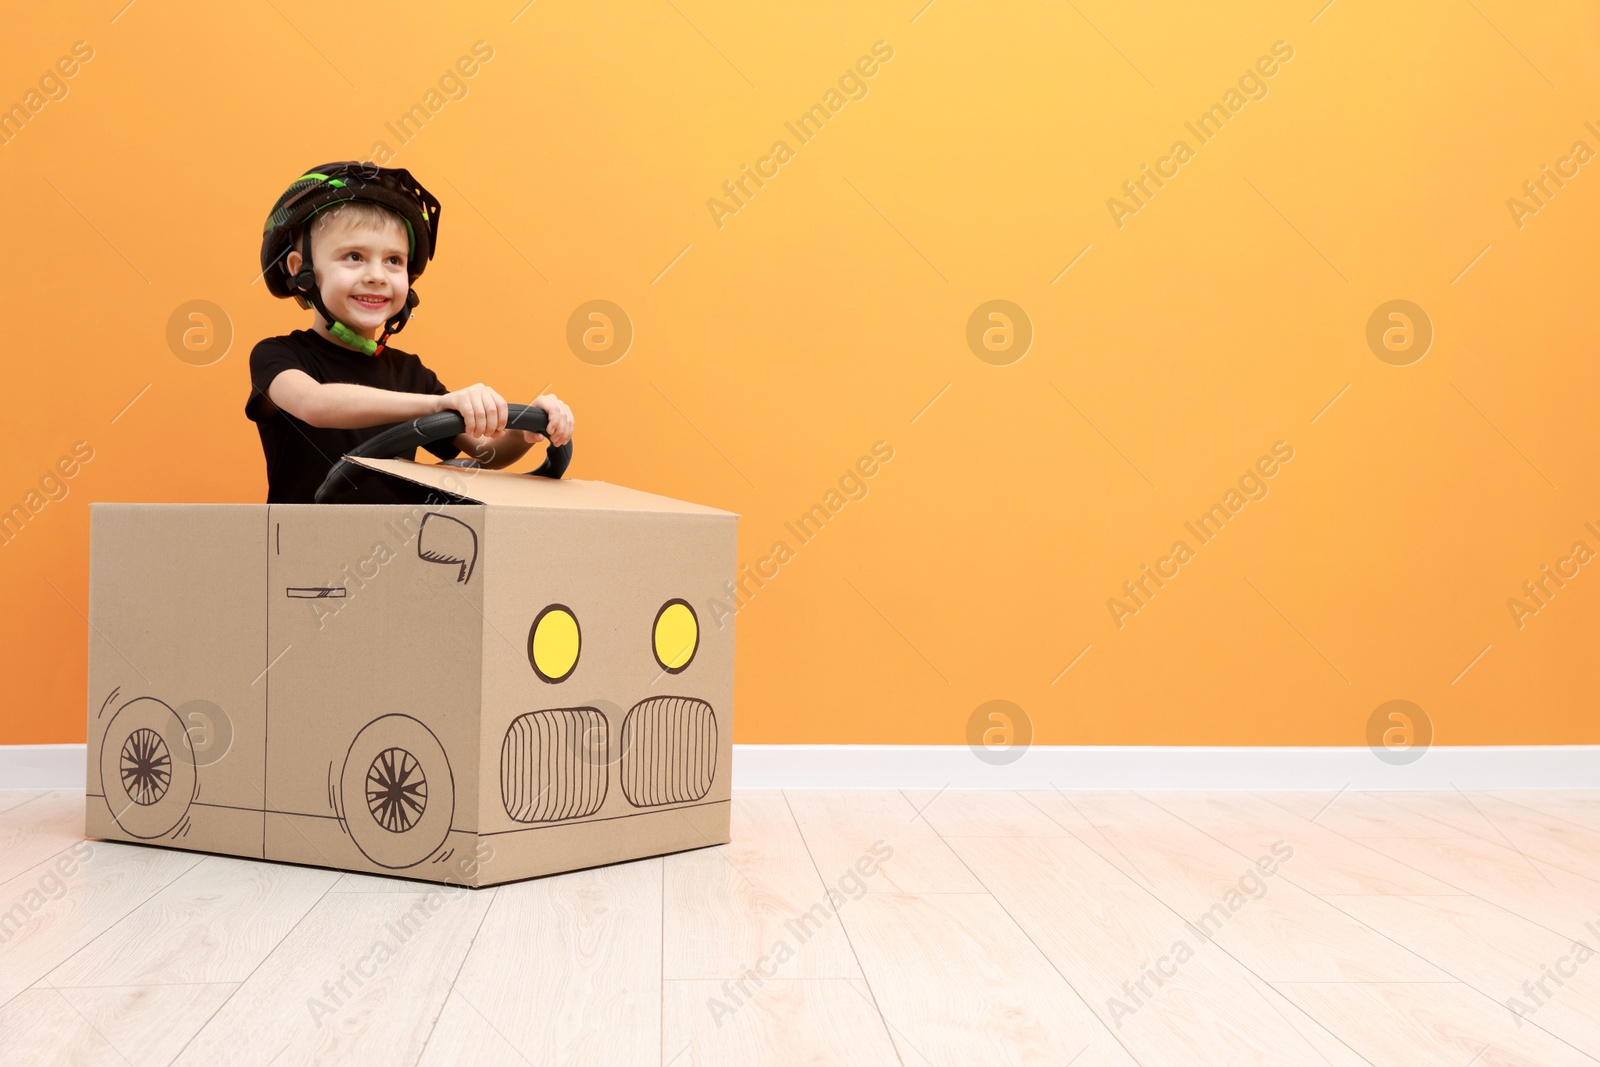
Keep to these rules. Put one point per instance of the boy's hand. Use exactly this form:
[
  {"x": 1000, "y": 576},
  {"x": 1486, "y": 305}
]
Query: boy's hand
[
  {"x": 559, "y": 423},
  {"x": 483, "y": 409}
]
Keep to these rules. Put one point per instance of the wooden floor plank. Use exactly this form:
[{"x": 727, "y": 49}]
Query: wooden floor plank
[
  {"x": 463, "y": 1034},
  {"x": 1541, "y": 977},
  {"x": 214, "y": 923},
  {"x": 1305, "y": 805},
  {"x": 1325, "y": 861},
  {"x": 843, "y": 827},
  {"x": 147, "y": 1024},
  {"x": 1430, "y": 1026},
  {"x": 1065, "y": 809},
  {"x": 1451, "y": 810},
  {"x": 352, "y": 882},
  {"x": 1548, "y": 837},
  {"x": 38, "y": 830},
  {"x": 565, "y": 969},
  {"x": 1549, "y": 896},
  {"x": 1363, "y": 815},
  {"x": 54, "y": 910},
  {"x": 39, "y": 1026},
  {"x": 1581, "y": 806},
  {"x": 730, "y": 907},
  {"x": 1249, "y": 904},
  {"x": 782, "y": 1022},
  {"x": 982, "y": 813},
  {"x": 959, "y": 982},
  {"x": 11, "y": 798},
  {"x": 360, "y": 980},
  {"x": 1163, "y": 993}
]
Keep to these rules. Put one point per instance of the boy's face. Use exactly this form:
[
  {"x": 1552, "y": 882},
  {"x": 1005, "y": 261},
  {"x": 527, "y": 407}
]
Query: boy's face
[{"x": 361, "y": 271}]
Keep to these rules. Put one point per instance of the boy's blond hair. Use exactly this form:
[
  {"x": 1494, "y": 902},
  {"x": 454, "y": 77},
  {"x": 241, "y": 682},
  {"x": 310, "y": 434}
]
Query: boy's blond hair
[{"x": 363, "y": 214}]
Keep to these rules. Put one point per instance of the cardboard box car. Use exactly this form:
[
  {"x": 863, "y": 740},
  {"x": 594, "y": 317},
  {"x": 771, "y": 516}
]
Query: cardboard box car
[{"x": 507, "y": 677}]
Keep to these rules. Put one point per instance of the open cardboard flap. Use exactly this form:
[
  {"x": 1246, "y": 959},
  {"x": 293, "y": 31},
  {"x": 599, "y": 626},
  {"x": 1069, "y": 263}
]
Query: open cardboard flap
[{"x": 509, "y": 489}]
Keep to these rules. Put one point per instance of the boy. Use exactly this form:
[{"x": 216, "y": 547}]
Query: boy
[{"x": 348, "y": 239}]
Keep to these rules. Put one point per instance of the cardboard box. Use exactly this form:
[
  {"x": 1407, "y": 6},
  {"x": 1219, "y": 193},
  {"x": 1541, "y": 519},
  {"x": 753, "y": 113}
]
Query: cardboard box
[{"x": 505, "y": 677}]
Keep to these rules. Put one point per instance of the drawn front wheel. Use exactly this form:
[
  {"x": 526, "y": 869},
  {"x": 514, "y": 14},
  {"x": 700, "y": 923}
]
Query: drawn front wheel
[
  {"x": 147, "y": 768},
  {"x": 397, "y": 792}
]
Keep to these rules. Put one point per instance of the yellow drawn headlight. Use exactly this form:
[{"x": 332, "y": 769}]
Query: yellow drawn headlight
[
  {"x": 677, "y": 635},
  {"x": 553, "y": 643}
]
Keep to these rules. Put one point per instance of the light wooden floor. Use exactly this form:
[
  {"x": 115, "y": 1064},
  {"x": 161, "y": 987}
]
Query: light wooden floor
[{"x": 1005, "y": 928}]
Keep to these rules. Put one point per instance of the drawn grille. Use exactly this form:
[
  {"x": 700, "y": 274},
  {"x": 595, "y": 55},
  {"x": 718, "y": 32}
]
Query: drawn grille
[
  {"x": 553, "y": 765},
  {"x": 669, "y": 751}
]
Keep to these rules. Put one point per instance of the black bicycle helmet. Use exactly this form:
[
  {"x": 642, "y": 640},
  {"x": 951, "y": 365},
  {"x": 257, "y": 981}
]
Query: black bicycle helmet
[{"x": 334, "y": 183}]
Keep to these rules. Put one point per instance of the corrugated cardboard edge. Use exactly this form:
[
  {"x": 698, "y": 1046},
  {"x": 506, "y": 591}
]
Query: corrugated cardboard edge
[{"x": 511, "y": 489}]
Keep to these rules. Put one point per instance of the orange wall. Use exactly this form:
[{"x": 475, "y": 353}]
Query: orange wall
[{"x": 829, "y": 310}]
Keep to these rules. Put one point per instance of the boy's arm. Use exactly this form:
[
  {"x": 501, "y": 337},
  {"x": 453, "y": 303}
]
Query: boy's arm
[{"x": 345, "y": 406}]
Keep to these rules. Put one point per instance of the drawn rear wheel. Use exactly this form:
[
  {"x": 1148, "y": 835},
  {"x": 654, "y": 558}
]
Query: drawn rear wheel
[{"x": 147, "y": 768}]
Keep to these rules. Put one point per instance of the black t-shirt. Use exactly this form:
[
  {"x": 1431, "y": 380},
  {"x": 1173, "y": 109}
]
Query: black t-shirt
[{"x": 300, "y": 455}]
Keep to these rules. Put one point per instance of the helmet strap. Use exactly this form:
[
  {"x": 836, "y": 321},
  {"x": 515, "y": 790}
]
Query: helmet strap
[{"x": 305, "y": 280}]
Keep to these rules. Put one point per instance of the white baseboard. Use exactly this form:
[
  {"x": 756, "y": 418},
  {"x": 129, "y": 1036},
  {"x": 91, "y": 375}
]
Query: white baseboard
[
  {"x": 42, "y": 766},
  {"x": 1164, "y": 767},
  {"x": 1060, "y": 767}
]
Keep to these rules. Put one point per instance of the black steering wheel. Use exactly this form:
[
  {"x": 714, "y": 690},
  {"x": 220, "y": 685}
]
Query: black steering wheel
[{"x": 439, "y": 426}]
